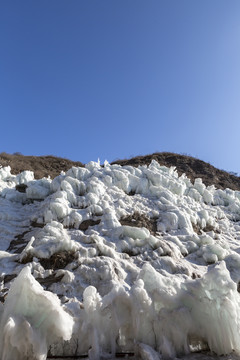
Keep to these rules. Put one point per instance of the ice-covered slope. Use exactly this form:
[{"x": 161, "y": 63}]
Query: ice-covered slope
[{"x": 136, "y": 255}]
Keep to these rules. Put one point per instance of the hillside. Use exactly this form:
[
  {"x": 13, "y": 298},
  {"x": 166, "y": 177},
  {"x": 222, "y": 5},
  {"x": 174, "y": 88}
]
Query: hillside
[
  {"x": 192, "y": 167},
  {"x": 135, "y": 248},
  {"x": 42, "y": 166}
]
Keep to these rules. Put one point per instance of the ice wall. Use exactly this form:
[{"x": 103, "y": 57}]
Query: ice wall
[
  {"x": 173, "y": 317},
  {"x": 31, "y": 320}
]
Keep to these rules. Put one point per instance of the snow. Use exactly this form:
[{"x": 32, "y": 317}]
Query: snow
[{"x": 162, "y": 288}]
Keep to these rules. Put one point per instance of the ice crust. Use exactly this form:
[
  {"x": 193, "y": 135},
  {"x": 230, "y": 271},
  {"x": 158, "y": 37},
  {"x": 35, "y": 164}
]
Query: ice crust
[{"x": 162, "y": 288}]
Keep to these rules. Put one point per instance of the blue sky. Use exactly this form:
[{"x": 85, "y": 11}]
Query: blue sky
[{"x": 108, "y": 79}]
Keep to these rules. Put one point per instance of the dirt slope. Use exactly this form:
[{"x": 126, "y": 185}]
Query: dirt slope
[
  {"x": 41, "y": 165},
  {"x": 192, "y": 167}
]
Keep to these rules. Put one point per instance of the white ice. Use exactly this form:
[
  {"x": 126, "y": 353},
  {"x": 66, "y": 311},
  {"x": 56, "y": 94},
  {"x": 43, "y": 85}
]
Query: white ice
[
  {"x": 161, "y": 290},
  {"x": 31, "y": 320}
]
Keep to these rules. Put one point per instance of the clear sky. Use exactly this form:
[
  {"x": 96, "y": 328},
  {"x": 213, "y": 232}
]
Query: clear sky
[{"x": 108, "y": 79}]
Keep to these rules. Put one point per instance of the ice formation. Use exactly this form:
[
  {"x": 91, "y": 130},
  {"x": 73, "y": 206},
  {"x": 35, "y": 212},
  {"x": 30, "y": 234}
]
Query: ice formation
[
  {"x": 31, "y": 320},
  {"x": 139, "y": 252}
]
